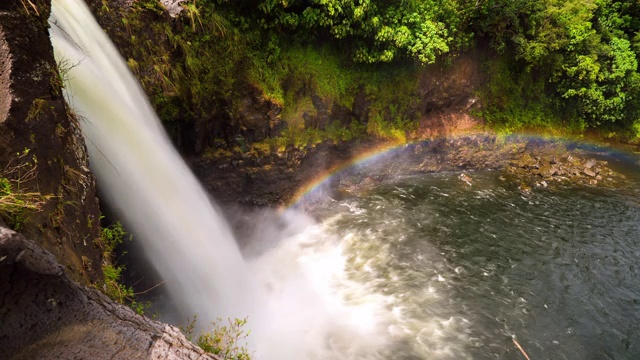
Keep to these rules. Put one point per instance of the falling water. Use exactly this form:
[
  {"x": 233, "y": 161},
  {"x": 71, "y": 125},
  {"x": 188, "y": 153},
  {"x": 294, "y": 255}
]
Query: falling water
[
  {"x": 423, "y": 267},
  {"x": 145, "y": 179},
  {"x": 287, "y": 293}
]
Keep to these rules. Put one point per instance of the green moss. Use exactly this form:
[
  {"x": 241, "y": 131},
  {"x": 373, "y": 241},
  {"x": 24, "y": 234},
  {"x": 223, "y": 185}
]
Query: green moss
[
  {"x": 322, "y": 71},
  {"x": 110, "y": 237},
  {"x": 318, "y": 70},
  {"x": 636, "y": 129},
  {"x": 517, "y": 100},
  {"x": 338, "y": 133},
  {"x": 37, "y": 109},
  {"x": 216, "y": 153},
  {"x": 262, "y": 148},
  {"x": 197, "y": 68}
]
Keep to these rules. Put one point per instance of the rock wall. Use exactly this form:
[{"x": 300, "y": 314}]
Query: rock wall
[
  {"x": 41, "y": 147},
  {"x": 440, "y": 96},
  {"x": 46, "y": 315},
  {"x": 441, "y": 100}
]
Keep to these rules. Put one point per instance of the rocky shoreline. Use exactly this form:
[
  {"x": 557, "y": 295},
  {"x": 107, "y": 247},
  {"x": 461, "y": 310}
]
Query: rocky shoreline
[
  {"x": 547, "y": 166},
  {"x": 275, "y": 180}
]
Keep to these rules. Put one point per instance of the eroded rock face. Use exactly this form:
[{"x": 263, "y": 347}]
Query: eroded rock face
[
  {"x": 256, "y": 179},
  {"x": 256, "y": 115},
  {"x": 5, "y": 75},
  {"x": 45, "y": 315},
  {"x": 41, "y": 147}
]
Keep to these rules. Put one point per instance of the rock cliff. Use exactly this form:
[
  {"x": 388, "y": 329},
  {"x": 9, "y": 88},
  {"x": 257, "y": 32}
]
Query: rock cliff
[
  {"x": 46, "y": 315},
  {"x": 41, "y": 147}
]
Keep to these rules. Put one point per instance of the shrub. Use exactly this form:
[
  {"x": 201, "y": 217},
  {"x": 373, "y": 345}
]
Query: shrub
[
  {"x": 223, "y": 340},
  {"x": 15, "y": 202},
  {"x": 110, "y": 237}
]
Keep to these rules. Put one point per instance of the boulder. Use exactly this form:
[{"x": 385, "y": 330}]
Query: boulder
[
  {"x": 589, "y": 172},
  {"x": 547, "y": 170},
  {"x": 590, "y": 163},
  {"x": 46, "y": 315}
]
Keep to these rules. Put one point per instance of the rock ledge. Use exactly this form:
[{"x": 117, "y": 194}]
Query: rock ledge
[{"x": 45, "y": 315}]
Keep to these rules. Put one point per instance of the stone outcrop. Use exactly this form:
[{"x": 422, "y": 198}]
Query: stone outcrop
[
  {"x": 41, "y": 147},
  {"x": 548, "y": 165},
  {"x": 46, "y": 315},
  {"x": 255, "y": 179},
  {"x": 256, "y": 116}
]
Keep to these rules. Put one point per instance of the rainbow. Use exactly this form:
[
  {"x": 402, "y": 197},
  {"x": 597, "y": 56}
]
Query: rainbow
[
  {"x": 367, "y": 155},
  {"x": 374, "y": 152}
]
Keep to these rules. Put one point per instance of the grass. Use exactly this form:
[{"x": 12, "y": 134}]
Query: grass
[
  {"x": 37, "y": 109},
  {"x": 16, "y": 203},
  {"x": 225, "y": 339},
  {"x": 29, "y": 6},
  {"x": 306, "y": 71},
  {"x": 110, "y": 237}
]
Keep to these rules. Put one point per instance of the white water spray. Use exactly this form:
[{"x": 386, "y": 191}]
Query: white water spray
[
  {"x": 288, "y": 293},
  {"x": 144, "y": 177}
]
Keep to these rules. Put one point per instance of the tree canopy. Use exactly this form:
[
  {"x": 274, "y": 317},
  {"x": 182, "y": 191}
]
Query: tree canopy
[
  {"x": 577, "y": 58},
  {"x": 586, "y": 49}
]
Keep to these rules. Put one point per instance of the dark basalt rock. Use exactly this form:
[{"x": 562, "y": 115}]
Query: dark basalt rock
[
  {"x": 40, "y": 136},
  {"x": 46, "y": 315},
  {"x": 256, "y": 179}
]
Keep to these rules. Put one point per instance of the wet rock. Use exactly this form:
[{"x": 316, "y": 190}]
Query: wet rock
[
  {"x": 590, "y": 163},
  {"x": 522, "y": 162},
  {"x": 45, "y": 315},
  {"x": 527, "y": 161},
  {"x": 466, "y": 178},
  {"x": 547, "y": 170},
  {"x": 368, "y": 182},
  {"x": 542, "y": 184},
  {"x": 341, "y": 114},
  {"x": 589, "y": 172},
  {"x": 524, "y": 189},
  {"x": 173, "y": 6},
  {"x": 257, "y": 114},
  {"x": 360, "y": 106},
  {"x": 453, "y": 86}
]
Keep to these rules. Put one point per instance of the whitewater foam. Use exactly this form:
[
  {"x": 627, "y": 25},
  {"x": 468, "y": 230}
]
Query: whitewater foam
[{"x": 298, "y": 300}]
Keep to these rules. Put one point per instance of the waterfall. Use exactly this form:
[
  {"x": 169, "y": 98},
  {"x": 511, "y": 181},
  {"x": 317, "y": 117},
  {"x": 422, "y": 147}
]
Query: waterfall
[
  {"x": 292, "y": 293},
  {"x": 145, "y": 179}
]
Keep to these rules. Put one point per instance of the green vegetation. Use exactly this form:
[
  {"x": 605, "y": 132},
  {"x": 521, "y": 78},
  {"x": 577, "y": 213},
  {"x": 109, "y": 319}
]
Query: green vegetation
[
  {"x": 370, "y": 31},
  {"x": 573, "y": 58},
  {"x": 110, "y": 237},
  {"x": 576, "y": 59},
  {"x": 223, "y": 340},
  {"x": 16, "y": 203},
  {"x": 557, "y": 65}
]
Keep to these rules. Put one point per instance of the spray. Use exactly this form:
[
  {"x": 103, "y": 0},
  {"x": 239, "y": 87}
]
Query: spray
[
  {"x": 145, "y": 179},
  {"x": 287, "y": 293}
]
